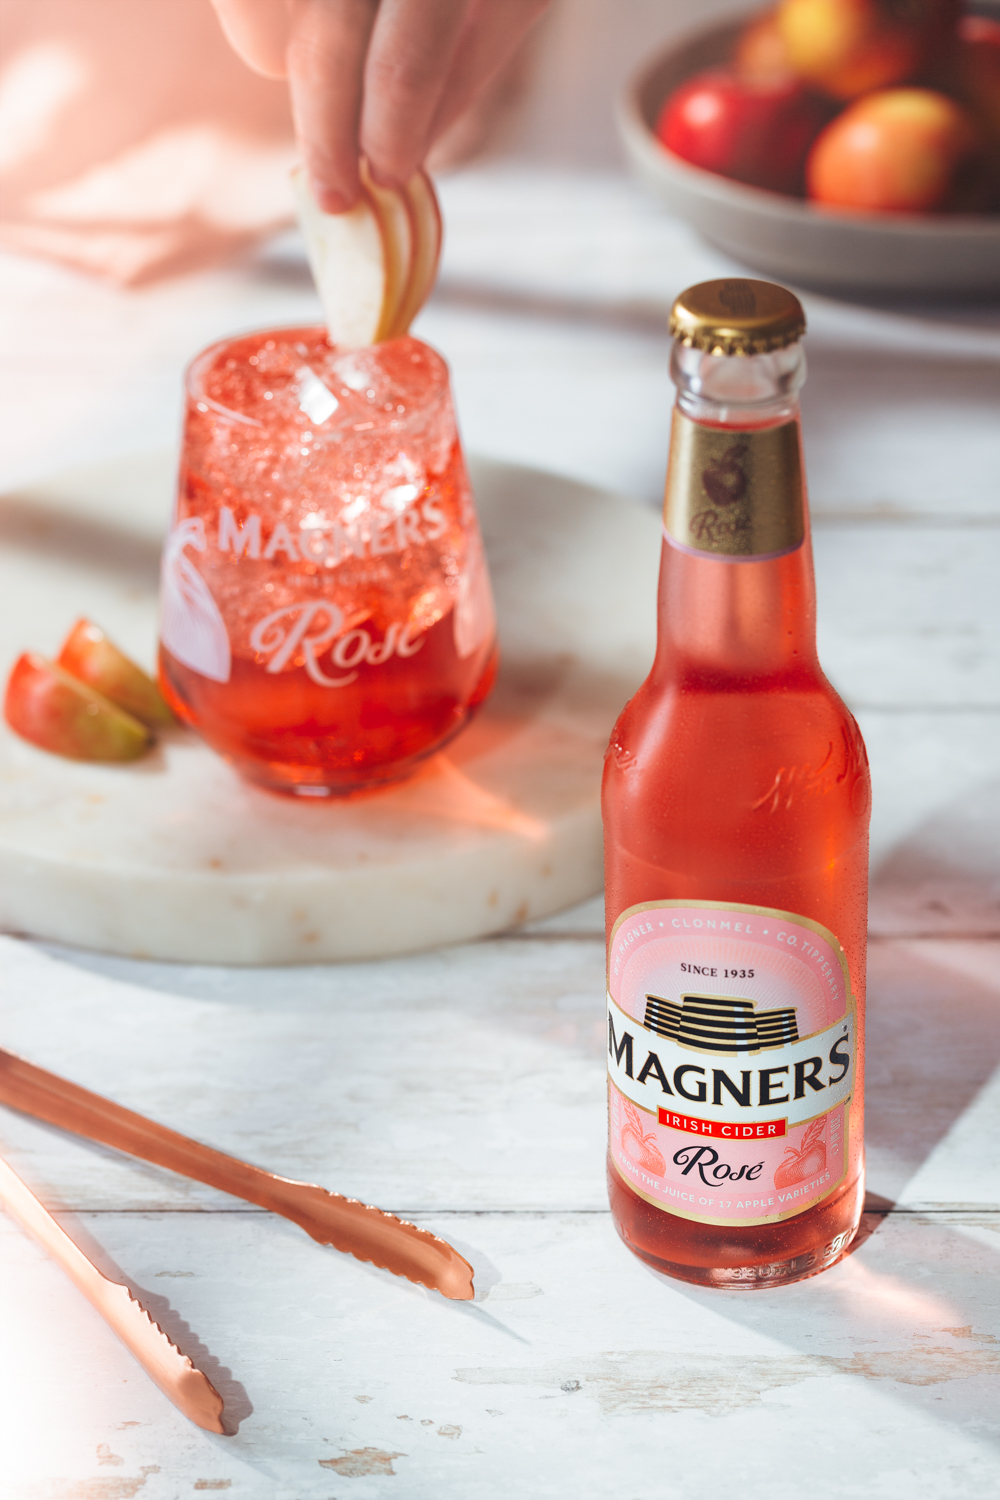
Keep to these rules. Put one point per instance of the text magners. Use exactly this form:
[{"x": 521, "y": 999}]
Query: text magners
[{"x": 736, "y": 805}]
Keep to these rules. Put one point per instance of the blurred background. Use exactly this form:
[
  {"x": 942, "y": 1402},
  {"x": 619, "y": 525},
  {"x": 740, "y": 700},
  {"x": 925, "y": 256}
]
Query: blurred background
[{"x": 134, "y": 145}]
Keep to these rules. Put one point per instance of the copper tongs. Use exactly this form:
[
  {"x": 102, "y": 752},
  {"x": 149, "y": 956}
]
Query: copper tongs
[
  {"x": 365, "y": 1232},
  {"x": 190, "y": 1391}
]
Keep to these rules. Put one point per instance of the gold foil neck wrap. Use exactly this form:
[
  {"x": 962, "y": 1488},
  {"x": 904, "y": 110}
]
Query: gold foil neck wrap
[
  {"x": 737, "y": 316},
  {"x": 734, "y": 494}
]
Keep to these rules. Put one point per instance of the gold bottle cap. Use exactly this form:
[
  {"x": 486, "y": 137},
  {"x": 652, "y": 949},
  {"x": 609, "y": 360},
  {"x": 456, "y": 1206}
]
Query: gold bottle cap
[{"x": 737, "y": 317}]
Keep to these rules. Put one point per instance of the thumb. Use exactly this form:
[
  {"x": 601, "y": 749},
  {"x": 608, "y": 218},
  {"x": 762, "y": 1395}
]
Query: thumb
[{"x": 258, "y": 32}]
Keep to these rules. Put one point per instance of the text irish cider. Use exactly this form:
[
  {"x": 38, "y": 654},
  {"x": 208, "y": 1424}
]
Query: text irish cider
[{"x": 736, "y": 803}]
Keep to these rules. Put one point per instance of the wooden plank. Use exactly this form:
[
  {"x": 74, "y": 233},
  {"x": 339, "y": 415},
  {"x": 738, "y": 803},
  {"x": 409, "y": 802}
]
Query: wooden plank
[
  {"x": 932, "y": 1126},
  {"x": 935, "y": 848},
  {"x": 909, "y": 615},
  {"x": 438, "y": 1074},
  {"x": 576, "y": 1373}
]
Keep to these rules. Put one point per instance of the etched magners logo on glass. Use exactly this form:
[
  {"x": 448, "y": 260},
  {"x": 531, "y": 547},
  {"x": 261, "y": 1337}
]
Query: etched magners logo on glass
[{"x": 731, "y": 1044}]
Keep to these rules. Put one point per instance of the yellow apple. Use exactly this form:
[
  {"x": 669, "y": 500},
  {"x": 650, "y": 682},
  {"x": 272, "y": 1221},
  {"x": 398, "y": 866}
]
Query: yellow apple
[
  {"x": 396, "y": 224},
  {"x": 849, "y": 47},
  {"x": 900, "y": 150}
]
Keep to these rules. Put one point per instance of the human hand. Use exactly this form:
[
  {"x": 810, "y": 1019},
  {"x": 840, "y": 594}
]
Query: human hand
[{"x": 379, "y": 78}]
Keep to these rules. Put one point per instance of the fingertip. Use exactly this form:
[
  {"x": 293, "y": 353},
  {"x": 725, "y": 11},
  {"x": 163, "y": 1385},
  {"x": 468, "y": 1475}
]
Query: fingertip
[
  {"x": 336, "y": 188},
  {"x": 332, "y": 200}
]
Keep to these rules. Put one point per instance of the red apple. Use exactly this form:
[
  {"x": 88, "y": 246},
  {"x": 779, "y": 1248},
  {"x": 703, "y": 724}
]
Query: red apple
[
  {"x": 969, "y": 71},
  {"x": 396, "y": 224},
  {"x": 55, "y": 711},
  {"x": 88, "y": 655},
  {"x": 977, "y": 73},
  {"x": 849, "y": 47},
  {"x": 901, "y": 150},
  {"x": 753, "y": 131}
]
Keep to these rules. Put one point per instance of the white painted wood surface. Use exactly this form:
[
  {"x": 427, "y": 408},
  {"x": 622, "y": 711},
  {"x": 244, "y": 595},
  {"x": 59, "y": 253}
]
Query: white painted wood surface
[
  {"x": 579, "y": 1373},
  {"x": 465, "y": 1086}
]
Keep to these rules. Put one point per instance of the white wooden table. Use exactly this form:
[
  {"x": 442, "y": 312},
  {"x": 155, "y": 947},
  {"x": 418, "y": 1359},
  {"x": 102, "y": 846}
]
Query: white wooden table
[{"x": 464, "y": 1088}]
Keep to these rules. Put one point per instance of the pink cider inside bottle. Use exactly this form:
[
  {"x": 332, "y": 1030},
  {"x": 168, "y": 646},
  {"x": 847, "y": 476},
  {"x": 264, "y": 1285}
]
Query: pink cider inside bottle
[{"x": 736, "y": 803}]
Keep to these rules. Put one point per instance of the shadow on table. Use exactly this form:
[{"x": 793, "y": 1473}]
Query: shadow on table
[
  {"x": 86, "y": 541},
  {"x": 943, "y": 880},
  {"x": 933, "y": 1043},
  {"x": 905, "y": 1309},
  {"x": 648, "y": 316},
  {"x": 904, "y": 1314}
]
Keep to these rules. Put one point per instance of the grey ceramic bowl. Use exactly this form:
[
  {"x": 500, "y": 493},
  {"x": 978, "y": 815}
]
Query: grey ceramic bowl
[{"x": 956, "y": 254}]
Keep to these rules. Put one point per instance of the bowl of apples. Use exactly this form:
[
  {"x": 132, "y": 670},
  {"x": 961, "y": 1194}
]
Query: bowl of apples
[{"x": 851, "y": 145}]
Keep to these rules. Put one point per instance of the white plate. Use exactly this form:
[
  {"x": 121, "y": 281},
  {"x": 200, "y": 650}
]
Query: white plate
[
  {"x": 788, "y": 238},
  {"x": 174, "y": 857}
]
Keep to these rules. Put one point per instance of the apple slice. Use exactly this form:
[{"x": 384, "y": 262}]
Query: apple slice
[
  {"x": 349, "y": 265},
  {"x": 392, "y": 209},
  {"x": 425, "y": 215},
  {"x": 375, "y": 265},
  {"x": 55, "y": 711},
  {"x": 88, "y": 655}
]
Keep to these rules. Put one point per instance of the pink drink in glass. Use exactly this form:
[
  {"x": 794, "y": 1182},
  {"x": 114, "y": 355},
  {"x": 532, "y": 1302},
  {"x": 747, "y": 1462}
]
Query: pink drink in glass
[{"x": 327, "y": 618}]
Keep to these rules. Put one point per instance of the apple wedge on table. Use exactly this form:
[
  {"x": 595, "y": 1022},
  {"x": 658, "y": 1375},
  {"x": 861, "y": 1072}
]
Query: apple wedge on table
[
  {"x": 57, "y": 712},
  {"x": 374, "y": 266},
  {"x": 92, "y": 703},
  {"x": 89, "y": 656}
]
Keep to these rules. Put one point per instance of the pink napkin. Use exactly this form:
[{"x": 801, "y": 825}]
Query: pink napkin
[{"x": 133, "y": 142}]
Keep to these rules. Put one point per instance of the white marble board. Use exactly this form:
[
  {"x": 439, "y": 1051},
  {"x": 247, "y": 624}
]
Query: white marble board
[{"x": 176, "y": 857}]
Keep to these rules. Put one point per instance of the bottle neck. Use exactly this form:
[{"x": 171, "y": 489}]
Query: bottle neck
[
  {"x": 738, "y": 391},
  {"x": 737, "y": 596}
]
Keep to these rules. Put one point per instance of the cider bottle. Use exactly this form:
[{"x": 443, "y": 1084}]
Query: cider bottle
[{"x": 736, "y": 803}]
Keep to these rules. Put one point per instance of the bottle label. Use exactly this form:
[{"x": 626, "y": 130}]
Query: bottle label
[
  {"x": 731, "y": 1060},
  {"x": 733, "y": 493}
]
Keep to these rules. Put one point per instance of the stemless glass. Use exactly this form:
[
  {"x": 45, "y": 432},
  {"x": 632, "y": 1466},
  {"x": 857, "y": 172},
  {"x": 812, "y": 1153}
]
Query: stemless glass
[{"x": 327, "y": 619}]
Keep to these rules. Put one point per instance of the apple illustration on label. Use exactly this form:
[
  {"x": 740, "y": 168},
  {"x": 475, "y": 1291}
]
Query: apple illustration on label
[
  {"x": 638, "y": 1145},
  {"x": 805, "y": 1162}
]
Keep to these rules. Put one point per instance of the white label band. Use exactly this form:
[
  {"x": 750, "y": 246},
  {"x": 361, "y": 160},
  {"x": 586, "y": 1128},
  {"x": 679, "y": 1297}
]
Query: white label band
[{"x": 796, "y": 1081}]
